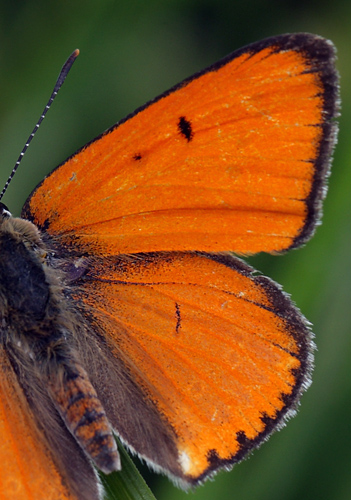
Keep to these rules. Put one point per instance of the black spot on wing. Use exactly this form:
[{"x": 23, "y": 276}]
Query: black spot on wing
[
  {"x": 178, "y": 318},
  {"x": 137, "y": 157},
  {"x": 185, "y": 128}
]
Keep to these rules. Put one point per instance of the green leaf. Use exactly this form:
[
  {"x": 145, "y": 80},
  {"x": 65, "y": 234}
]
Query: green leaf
[{"x": 127, "y": 484}]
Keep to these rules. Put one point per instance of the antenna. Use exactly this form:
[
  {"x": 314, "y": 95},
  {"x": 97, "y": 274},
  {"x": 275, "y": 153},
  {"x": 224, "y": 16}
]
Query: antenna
[{"x": 61, "y": 78}]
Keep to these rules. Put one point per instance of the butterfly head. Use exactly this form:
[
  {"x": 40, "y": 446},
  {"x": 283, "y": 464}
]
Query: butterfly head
[{"x": 4, "y": 211}]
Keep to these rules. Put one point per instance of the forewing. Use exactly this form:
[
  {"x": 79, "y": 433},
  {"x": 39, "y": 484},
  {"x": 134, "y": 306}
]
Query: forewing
[{"x": 234, "y": 158}]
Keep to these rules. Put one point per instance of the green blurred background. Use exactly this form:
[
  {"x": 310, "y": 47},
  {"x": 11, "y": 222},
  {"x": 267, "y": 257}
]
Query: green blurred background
[{"x": 131, "y": 51}]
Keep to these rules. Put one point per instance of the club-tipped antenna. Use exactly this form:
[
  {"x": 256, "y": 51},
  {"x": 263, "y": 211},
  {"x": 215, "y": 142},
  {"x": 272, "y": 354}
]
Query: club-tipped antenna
[{"x": 61, "y": 78}]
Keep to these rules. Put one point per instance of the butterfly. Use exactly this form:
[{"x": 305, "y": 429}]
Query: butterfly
[{"x": 123, "y": 308}]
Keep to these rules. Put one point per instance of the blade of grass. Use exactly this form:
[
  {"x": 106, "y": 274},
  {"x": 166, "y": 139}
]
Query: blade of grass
[{"x": 128, "y": 484}]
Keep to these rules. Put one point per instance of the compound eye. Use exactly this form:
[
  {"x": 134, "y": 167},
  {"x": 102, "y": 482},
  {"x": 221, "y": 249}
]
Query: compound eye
[{"x": 4, "y": 211}]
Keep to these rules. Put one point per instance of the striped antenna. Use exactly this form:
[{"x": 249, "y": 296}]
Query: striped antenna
[{"x": 61, "y": 78}]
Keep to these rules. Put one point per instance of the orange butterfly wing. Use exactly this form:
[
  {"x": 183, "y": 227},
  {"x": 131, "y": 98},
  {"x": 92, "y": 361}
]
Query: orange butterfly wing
[
  {"x": 232, "y": 159},
  {"x": 29, "y": 470},
  {"x": 222, "y": 354}
]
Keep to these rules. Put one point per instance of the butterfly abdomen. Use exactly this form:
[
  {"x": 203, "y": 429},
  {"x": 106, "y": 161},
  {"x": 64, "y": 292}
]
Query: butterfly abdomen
[{"x": 83, "y": 414}]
